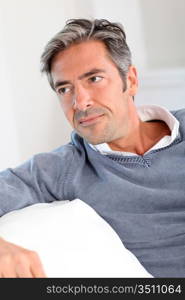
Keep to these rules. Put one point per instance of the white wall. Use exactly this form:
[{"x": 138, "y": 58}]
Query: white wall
[
  {"x": 31, "y": 119},
  {"x": 37, "y": 117},
  {"x": 163, "y": 81},
  {"x": 164, "y": 33},
  {"x": 8, "y": 130},
  {"x": 165, "y": 87}
]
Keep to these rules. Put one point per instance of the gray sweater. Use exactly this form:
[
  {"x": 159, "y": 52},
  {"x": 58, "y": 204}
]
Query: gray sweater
[{"x": 142, "y": 197}]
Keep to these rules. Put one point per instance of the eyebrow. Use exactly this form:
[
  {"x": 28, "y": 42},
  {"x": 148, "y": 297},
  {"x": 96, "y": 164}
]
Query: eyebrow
[{"x": 87, "y": 74}]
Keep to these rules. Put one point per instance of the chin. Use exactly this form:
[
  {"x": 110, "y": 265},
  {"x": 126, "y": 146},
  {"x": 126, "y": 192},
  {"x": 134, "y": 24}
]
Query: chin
[
  {"x": 92, "y": 140},
  {"x": 95, "y": 140},
  {"x": 99, "y": 137}
]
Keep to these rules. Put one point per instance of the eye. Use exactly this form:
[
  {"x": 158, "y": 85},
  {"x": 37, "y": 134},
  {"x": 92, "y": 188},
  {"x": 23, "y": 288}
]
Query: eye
[
  {"x": 63, "y": 90},
  {"x": 95, "y": 78}
]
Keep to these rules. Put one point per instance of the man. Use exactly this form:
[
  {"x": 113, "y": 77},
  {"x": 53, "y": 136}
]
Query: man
[{"x": 124, "y": 162}]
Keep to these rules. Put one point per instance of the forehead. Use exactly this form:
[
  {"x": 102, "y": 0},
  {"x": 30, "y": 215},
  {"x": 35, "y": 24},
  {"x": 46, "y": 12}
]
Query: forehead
[{"x": 80, "y": 58}]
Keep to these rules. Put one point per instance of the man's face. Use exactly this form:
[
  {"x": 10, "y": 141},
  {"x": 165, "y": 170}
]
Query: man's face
[{"x": 90, "y": 90}]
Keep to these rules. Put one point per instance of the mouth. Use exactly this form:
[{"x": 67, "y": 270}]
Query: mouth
[{"x": 89, "y": 120}]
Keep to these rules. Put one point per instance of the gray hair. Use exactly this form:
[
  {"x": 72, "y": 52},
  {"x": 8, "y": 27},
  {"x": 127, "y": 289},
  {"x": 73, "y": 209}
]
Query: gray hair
[{"x": 79, "y": 30}]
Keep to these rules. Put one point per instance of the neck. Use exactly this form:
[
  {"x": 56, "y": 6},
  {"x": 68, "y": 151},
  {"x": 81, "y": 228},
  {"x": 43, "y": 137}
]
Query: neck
[{"x": 141, "y": 137}]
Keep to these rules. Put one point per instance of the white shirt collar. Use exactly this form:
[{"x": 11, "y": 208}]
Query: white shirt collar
[{"x": 147, "y": 113}]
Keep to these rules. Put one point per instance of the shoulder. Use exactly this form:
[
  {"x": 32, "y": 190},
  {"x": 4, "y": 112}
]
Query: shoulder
[
  {"x": 61, "y": 156},
  {"x": 179, "y": 114},
  {"x": 66, "y": 155},
  {"x": 58, "y": 159}
]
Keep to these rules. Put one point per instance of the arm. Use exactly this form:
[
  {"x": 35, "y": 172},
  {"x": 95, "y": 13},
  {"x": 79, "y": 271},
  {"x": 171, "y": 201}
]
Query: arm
[{"x": 38, "y": 180}]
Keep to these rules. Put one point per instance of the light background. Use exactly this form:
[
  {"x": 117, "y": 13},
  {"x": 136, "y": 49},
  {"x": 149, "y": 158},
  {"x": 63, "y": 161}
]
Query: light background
[{"x": 31, "y": 120}]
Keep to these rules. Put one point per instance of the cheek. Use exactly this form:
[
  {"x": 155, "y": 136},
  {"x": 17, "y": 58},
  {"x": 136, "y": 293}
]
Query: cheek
[
  {"x": 111, "y": 90},
  {"x": 110, "y": 97}
]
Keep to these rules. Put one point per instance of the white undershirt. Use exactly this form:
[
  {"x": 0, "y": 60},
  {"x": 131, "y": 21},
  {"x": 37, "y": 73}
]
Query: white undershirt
[{"x": 147, "y": 113}]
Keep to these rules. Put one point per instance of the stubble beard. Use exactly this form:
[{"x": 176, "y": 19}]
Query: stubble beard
[
  {"x": 104, "y": 131},
  {"x": 105, "y": 135}
]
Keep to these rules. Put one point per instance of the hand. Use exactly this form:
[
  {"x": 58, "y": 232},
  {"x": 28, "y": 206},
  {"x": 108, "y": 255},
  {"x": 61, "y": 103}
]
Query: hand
[{"x": 16, "y": 261}]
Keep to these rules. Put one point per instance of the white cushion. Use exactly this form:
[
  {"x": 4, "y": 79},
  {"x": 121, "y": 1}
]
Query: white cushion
[{"x": 71, "y": 239}]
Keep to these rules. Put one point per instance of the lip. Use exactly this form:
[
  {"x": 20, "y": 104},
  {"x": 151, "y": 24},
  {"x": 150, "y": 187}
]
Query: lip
[{"x": 89, "y": 120}]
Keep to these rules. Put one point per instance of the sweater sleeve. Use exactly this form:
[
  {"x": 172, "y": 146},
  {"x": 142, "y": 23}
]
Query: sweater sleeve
[{"x": 41, "y": 179}]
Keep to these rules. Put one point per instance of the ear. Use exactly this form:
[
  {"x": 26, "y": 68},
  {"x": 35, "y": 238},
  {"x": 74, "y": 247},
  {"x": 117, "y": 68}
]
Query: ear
[{"x": 132, "y": 81}]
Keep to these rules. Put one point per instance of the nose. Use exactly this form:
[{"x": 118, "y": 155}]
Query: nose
[{"x": 82, "y": 98}]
